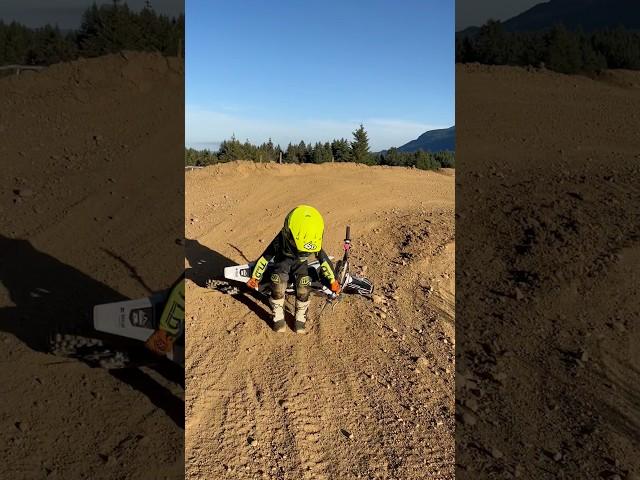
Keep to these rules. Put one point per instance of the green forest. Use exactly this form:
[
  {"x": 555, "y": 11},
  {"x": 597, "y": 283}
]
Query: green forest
[
  {"x": 342, "y": 150},
  {"x": 109, "y": 28},
  {"x": 557, "y": 49}
]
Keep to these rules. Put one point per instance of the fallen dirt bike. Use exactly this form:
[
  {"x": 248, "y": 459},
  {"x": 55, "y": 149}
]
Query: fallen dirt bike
[
  {"x": 351, "y": 284},
  {"x": 127, "y": 325}
]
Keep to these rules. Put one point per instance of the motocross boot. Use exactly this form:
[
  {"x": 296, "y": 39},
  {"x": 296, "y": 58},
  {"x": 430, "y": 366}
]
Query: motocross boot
[
  {"x": 301, "y": 316},
  {"x": 277, "y": 307}
]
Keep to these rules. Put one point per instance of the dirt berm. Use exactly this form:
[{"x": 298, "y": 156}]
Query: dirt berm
[
  {"x": 368, "y": 391},
  {"x": 90, "y": 209},
  {"x": 548, "y": 380}
]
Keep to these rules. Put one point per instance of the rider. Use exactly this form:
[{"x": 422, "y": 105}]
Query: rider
[
  {"x": 171, "y": 324},
  {"x": 300, "y": 237}
]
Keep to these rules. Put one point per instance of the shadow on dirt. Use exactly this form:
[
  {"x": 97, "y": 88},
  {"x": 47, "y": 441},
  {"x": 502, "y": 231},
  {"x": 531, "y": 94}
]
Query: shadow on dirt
[
  {"x": 621, "y": 409},
  {"x": 50, "y": 297},
  {"x": 207, "y": 264},
  {"x": 162, "y": 397}
]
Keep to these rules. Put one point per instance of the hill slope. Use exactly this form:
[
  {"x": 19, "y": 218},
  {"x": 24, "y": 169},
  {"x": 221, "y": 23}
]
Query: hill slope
[
  {"x": 432, "y": 141},
  {"x": 71, "y": 228},
  {"x": 356, "y": 368},
  {"x": 554, "y": 197}
]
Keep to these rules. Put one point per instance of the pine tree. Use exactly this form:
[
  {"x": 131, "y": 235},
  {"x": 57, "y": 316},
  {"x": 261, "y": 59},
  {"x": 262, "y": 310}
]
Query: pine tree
[
  {"x": 425, "y": 161},
  {"x": 327, "y": 153},
  {"x": 231, "y": 150},
  {"x": 492, "y": 44},
  {"x": 393, "y": 157},
  {"x": 291, "y": 155},
  {"x": 341, "y": 150},
  {"x": 305, "y": 152},
  {"x": 360, "y": 146},
  {"x": 564, "y": 54}
]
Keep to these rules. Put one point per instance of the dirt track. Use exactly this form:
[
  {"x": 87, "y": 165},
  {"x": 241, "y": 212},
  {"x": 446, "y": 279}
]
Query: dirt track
[
  {"x": 356, "y": 372},
  {"x": 548, "y": 349},
  {"x": 90, "y": 208}
]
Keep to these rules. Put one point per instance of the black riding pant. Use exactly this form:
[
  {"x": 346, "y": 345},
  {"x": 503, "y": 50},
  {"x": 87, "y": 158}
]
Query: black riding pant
[{"x": 285, "y": 269}]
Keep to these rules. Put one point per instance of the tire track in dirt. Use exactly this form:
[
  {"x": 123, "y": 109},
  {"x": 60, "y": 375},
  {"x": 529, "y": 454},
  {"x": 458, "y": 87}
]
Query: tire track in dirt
[
  {"x": 347, "y": 400},
  {"x": 554, "y": 201}
]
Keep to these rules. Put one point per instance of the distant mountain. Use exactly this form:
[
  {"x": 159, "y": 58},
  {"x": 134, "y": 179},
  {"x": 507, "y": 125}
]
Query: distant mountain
[
  {"x": 586, "y": 14},
  {"x": 432, "y": 141}
]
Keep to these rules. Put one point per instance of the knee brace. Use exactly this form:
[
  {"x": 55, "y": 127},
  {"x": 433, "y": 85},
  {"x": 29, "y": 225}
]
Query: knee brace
[
  {"x": 278, "y": 285},
  {"x": 303, "y": 288}
]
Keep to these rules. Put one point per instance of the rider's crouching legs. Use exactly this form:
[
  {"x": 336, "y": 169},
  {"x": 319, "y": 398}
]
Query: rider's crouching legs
[
  {"x": 303, "y": 291},
  {"x": 278, "y": 287}
]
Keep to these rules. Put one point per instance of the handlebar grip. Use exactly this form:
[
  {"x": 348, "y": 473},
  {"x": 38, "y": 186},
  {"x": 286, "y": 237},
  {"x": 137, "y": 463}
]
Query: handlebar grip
[{"x": 348, "y": 235}]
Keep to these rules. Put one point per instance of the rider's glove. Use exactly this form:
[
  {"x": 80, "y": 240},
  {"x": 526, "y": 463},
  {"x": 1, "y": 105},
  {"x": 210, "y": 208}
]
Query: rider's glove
[
  {"x": 160, "y": 342},
  {"x": 253, "y": 283},
  {"x": 335, "y": 286}
]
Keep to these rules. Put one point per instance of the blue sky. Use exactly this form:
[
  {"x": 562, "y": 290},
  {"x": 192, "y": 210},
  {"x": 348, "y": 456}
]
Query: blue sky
[{"x": 313, "y": 70}]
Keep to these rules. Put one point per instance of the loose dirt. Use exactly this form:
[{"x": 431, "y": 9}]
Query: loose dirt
[
  {"x": 90, "y": 209},
  {"x": 368, "y": 392},
  {"x": 548, "y": 361}
]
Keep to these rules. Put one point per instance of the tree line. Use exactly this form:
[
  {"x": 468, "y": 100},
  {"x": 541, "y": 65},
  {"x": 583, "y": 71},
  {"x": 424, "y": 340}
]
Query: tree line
[
  {"x": 557, "y": 49},
  {"x": 339, "y": 150},
  {"x": 105, "y": 29}
]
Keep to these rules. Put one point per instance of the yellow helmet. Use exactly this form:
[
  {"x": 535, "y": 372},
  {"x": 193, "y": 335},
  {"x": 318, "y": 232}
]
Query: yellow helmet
[{"x": 304, "y": 226}]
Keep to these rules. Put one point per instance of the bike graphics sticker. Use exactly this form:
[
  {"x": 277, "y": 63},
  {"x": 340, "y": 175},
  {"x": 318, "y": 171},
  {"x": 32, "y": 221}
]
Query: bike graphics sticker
[{"x": 141, "y": 317}]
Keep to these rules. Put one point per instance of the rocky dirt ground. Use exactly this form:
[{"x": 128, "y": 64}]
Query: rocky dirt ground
[
  {"x": 91, "y": 204},
  {"x": 548, "y": 356},
  {"x": 368, "y": 392}
]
